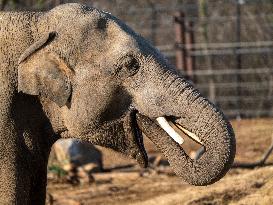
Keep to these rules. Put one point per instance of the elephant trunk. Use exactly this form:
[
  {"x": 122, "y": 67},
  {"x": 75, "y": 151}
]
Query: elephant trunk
[{"x": 197, "y": 115}]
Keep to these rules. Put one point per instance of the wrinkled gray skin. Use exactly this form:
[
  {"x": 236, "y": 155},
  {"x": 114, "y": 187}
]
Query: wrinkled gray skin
[{"x": 79, "y": 72}]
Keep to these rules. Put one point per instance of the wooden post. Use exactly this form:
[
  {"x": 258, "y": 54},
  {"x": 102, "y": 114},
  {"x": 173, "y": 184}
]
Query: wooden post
[
  {"x": 179, "y": 26},
  {"x": 58, "y": 2},
  {"x": 203, "y": 13},
  {"x": 238, "y": 55},
  {"x": 190, "y": 60},
  {"x": 3, "y": 3}
]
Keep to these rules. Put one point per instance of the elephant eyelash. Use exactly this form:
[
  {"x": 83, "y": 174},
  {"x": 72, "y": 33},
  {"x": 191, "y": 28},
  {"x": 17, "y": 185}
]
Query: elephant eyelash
[
  {"x": 132, "y": 64},
  {"x": 128, "y": 67}
]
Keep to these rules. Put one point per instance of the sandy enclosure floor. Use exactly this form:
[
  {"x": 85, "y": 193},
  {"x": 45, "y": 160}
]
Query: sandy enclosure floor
[{"x": 148, "y": 187}]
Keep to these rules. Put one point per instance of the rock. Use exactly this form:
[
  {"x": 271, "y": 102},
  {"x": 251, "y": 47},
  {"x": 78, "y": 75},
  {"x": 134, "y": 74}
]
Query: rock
[{"x": 71, "y": 152}]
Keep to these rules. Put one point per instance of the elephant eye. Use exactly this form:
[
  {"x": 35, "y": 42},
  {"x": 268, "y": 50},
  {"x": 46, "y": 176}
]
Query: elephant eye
[
  {"x": 132, "y": 65},
  {"x": 128, "y": 67}
]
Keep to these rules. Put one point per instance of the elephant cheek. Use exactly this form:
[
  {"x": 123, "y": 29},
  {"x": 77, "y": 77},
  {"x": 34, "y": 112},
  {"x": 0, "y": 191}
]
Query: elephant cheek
[{"x": 73, "y": 123}]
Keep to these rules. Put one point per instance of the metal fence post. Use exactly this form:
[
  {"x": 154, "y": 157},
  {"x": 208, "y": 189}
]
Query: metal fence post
[
  {"x": 190, "y": 59},
  {"x": 238, "y": 55},
  {"x": 180, "y": 53}
]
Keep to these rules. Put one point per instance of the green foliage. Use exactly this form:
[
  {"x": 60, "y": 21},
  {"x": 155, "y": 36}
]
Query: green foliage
[
  {"x": 60, "y": 172},
  {"x": 40, "y": 3}
]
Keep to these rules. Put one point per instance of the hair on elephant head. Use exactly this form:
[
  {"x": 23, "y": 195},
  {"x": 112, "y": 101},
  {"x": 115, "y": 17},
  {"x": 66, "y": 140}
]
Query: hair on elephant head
[{"x": 100, "y": 81}]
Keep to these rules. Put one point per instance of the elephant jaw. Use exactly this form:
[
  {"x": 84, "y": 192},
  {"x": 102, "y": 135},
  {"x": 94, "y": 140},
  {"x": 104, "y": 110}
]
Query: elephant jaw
[{"x": 121, "y": 135}]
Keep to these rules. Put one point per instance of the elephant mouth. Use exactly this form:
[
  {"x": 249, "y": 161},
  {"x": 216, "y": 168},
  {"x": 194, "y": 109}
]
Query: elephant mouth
[
  {"x": 170, "y": 125},
  {"x": 126, "y": 136},
  {"x": 135, "y": 147}
]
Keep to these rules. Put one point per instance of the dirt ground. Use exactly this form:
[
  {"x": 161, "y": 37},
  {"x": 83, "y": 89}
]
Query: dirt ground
[{"x": 149, "y": 187}]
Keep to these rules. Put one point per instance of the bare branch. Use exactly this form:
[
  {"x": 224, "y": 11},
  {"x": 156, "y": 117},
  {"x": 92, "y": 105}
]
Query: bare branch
[{"x": 259, "y": 163}]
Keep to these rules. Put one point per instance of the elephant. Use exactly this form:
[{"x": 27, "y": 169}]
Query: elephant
[{"x": 78, "y": 72}]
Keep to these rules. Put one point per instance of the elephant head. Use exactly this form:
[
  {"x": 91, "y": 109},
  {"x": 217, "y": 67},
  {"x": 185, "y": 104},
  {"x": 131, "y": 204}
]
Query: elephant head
[{"x": 100, "y": 81}]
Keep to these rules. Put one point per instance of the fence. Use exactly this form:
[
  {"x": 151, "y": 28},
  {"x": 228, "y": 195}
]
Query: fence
[
  {"x": 240, "y": 92},
  {"x": 224, "y": 47},
  {"x": 245, "y": 98},
  {"x": 234, "y": 71}
]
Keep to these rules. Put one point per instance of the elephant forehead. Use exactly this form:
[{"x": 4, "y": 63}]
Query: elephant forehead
[
  {"x": 124, "y": 40},
  {"x": 111, "y": 45},
  {"x": 121, "y": 36}
]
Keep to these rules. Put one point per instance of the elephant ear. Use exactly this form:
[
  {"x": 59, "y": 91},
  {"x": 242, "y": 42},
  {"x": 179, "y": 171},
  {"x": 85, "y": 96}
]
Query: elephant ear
[{"x": 44, "y": 73}]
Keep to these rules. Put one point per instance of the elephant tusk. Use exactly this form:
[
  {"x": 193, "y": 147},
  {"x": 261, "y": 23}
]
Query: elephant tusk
[
  {"x": 171, "y": 132},
  {"x": 188, "y": 133}
]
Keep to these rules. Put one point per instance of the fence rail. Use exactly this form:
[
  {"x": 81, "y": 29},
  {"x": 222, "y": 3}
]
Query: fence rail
[
  {"x": 234, "y": 71},
  {"x": 228, "y": 49},
  {"x": 217, "y": 52},
  {"x": 231, "y": 85},
  {"x": 251, "y": 97},
  {"x": 228, "y": 45},
  {"x": 248, "y": 113}
]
